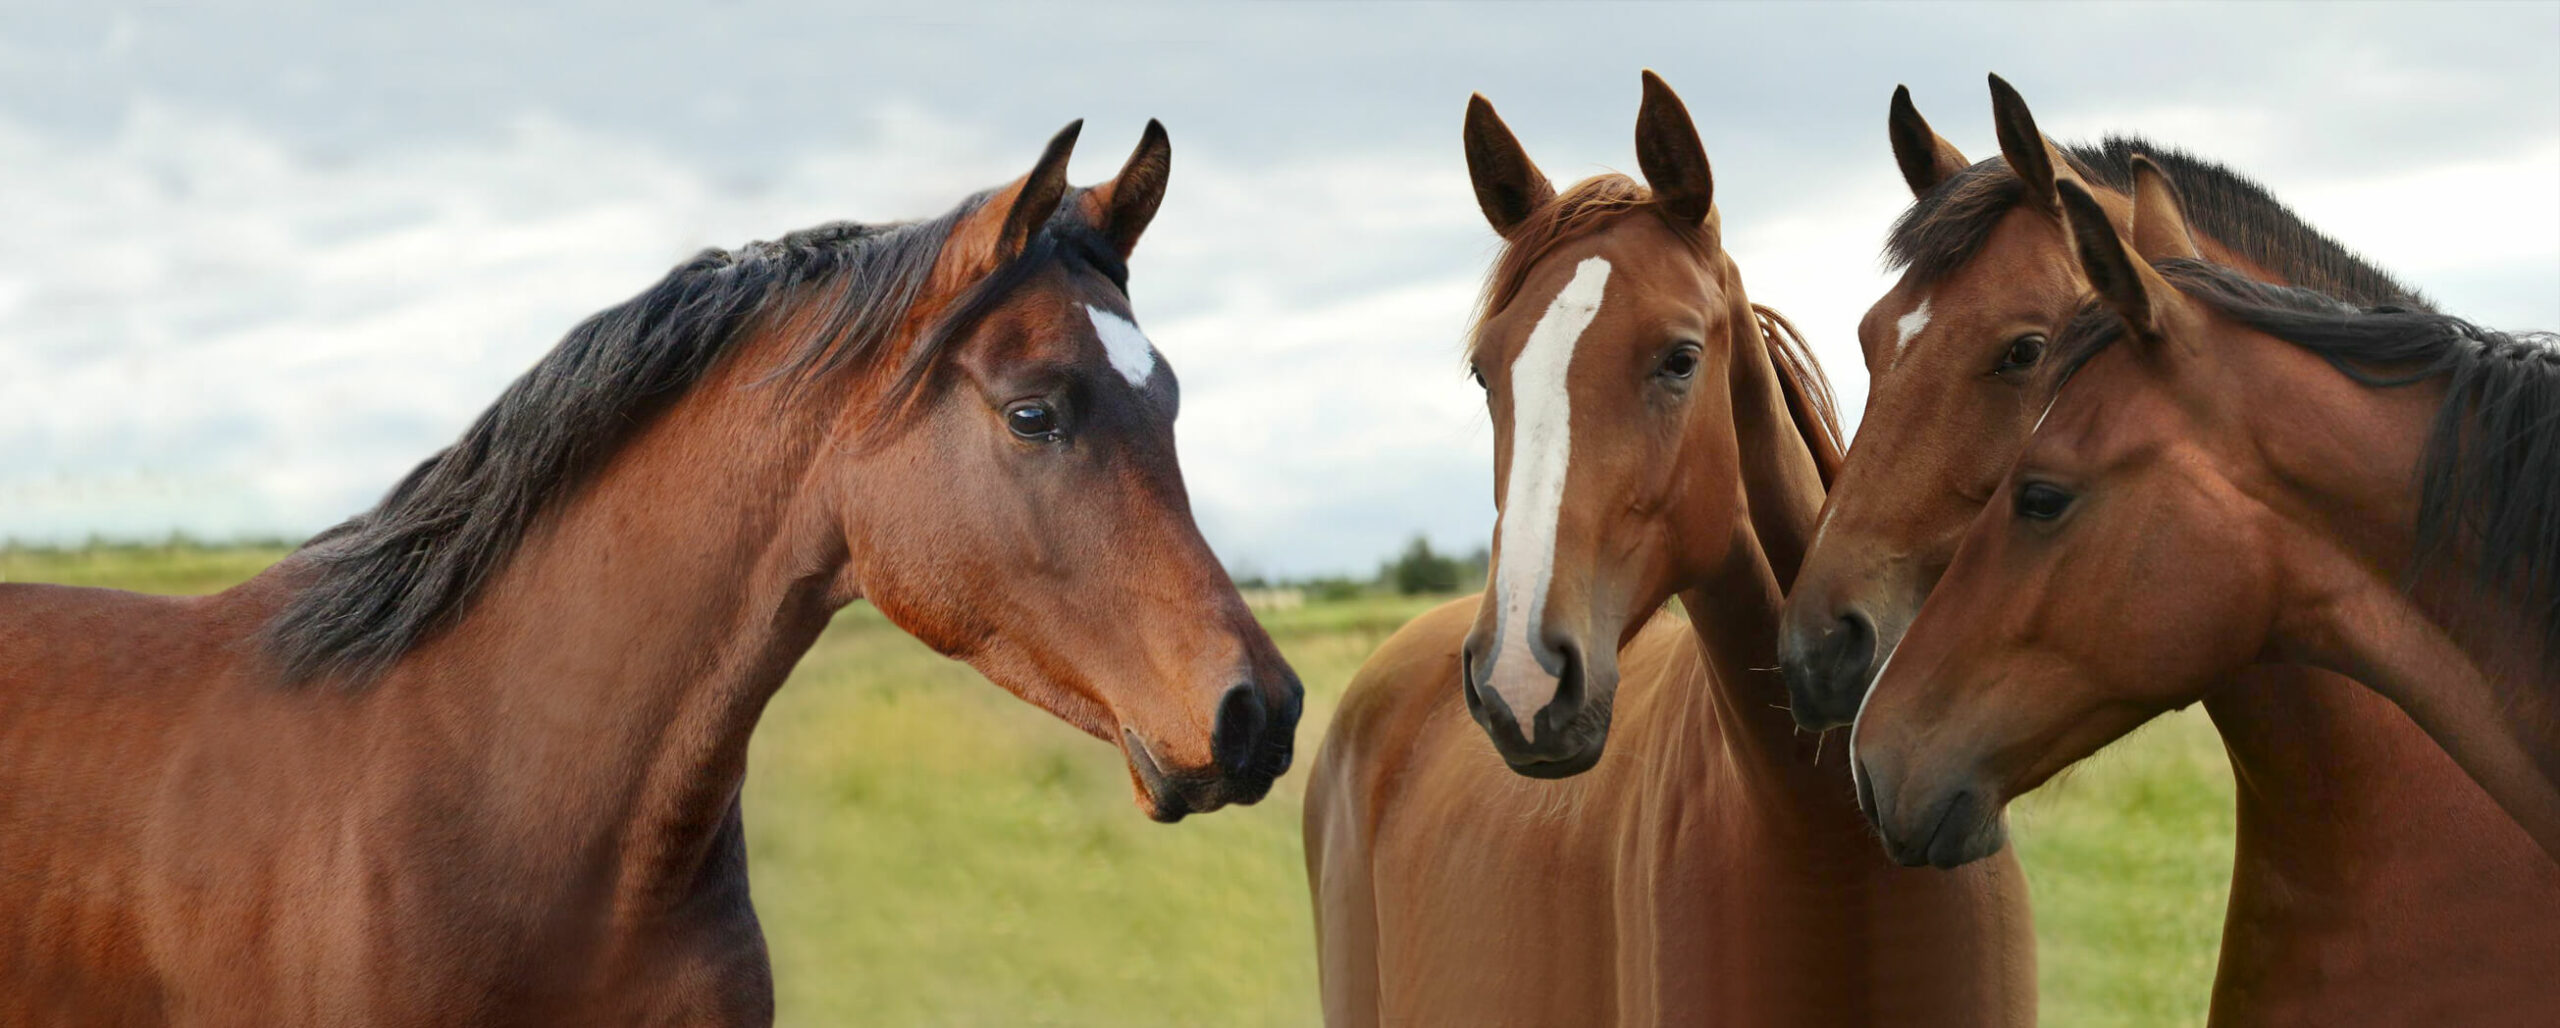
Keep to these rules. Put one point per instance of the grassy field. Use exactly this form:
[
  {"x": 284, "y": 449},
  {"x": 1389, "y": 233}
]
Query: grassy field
[{"x": 930, "y": 851}]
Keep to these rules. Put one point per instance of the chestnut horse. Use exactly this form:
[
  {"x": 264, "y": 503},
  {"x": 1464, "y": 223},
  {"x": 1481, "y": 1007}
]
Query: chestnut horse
[
  {"x": 2346, "y": 809},
  {"x": 1655, "y": 435},
  {"x": 2230, "y": 472},
  {"x": 474, "y": 757}
]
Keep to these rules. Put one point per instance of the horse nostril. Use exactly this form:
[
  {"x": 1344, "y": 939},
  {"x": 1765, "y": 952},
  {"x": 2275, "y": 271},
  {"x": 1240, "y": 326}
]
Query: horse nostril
[
  {"x": 1282, "y": 735},
  {"x": 1241, "y": 717},
  {"x": 1567, "y": 702},
  {"x": 1856, "y": 645},
  {"x": 1487, "y": 707}
]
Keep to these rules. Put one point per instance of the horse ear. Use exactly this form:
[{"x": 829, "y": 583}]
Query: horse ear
[
  {"x": 2159, "y": 216},
  {"x": 1039, "y": 195},
  {"x": 1926, "y": 157},
  {"x": 1508, "y": 186},
  {"x": 2120, "y": 277},
  {"x": 1667, "y": 149},
  {"x": 2027, "y": 151},
  {"x": 1130, "y": 199}
]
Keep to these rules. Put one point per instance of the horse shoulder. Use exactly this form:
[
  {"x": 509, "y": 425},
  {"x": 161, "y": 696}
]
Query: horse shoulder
[
  {"x": 1387, "y": 708},
  {"x": 1378, "y": 725}
]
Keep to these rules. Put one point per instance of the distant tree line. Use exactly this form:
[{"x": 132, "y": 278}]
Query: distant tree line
[{"x": 1416, "y": 570}]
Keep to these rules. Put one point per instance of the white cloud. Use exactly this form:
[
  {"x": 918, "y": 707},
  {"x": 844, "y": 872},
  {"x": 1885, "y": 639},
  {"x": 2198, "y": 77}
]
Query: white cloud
[
  {"x": 208, "y": 326},
  {"x": 253, "y": 341},
  {"x": 223, "y": 337}
]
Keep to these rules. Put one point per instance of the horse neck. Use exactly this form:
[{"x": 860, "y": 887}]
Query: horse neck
[
  {"x": 2321, "y": 763},
  {"x": 608, "y": 679},
  {"x": 2434, "y": 659},
  {"x": 1733, "y": 607},
  {"x": 2316, "y": 757},
  {"x": 2341, "y": 475}
]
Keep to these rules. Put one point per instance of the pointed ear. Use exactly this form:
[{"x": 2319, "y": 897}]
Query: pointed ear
[
  {"x": 1130, "y": 199},
  {"x": 1667, "y": 149},
  {"x": 2027, "y": 151},
  {"x": 1508, "y": 186},
  {"x": 2159, "y": 215},
  {"x": 1039, "y": 195},
  {"x": 1926, "y": 157},
  {"x": 2120, "y": 277}
]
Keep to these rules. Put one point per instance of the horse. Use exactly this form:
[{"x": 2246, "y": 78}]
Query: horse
[
  {"x": 1655, "y": 435},
  {"x": 474, "y": 756},
  {"x": 2395, "y": 518},
  {"x": 2345, "y": 808}
]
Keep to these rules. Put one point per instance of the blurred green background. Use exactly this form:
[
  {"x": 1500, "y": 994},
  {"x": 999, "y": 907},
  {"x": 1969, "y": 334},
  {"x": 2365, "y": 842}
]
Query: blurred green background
[{"x": 930, "y": 851}]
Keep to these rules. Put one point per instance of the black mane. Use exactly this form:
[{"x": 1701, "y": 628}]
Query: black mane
[
  {"x": 380, "y": 582},
  {"x": 2490, "y": 479},
  {"x": 1944, "y": 229}
]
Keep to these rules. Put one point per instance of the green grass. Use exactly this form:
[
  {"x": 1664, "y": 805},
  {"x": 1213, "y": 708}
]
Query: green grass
[
  {"x": 2128, "y": 856},
  {"x": 175, "y": 567},
  {"x": 931, "y": 851}
]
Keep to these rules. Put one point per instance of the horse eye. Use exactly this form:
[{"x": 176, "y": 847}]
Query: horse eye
[
  {"x": 1032, "y": 420},
  {"x": 2039, "y": 501},
  {"x": 1680, "y": 363},
  {"x": 1476, "y": 373},
  {"x": 2023, "y": 352}
]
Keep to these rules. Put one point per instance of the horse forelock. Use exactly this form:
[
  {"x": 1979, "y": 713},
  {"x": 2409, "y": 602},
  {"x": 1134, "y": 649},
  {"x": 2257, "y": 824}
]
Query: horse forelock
[{"x": 1586, "y": 207}]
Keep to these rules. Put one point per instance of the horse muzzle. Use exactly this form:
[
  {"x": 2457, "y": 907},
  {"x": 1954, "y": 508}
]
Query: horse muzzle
[
  {"x": 1562, "y": 738},
  {"x": 1252, "y": 743}
]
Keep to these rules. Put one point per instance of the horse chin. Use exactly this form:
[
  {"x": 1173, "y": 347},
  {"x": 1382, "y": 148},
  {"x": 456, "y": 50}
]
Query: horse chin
[
  {"x": 1968, "y": 827},
  {"x": 1165, "y": 808},
  {"x": 1555, "y": 769}
]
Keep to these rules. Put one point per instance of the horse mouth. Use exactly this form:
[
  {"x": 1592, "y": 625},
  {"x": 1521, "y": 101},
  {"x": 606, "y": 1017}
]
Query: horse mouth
[
  {"x": 1163, "y": 801},
  {"x": 1169, "y": 796},
  {"x": 1566, "y": 767}
]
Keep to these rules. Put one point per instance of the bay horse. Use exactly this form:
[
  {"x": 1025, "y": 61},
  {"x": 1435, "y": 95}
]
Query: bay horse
[
  {"x": 474, "y": 757},
  {"x": 2346, "y": 810},
  {"x": 1655, "y": 435},
  {"x": 2231, "y": 472}
]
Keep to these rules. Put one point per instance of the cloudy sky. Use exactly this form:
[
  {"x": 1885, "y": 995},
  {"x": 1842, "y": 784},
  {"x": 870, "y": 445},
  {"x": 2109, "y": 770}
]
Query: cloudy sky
[{"x": 259, "y": 261}]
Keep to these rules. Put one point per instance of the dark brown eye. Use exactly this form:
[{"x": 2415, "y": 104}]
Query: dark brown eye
[
  {"x": 2041, "y": 501},
  {"x": 1032, "y": 420},
  {"x": 1476, "y": 373},
  {"x": 1678, "y": 364},
  {"x": 2023, "y": 353}
]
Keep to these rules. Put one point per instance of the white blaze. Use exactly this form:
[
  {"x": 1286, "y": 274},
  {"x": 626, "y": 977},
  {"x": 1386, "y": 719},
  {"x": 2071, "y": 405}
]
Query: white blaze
[
  {"x": 1541, "y": 449},
  {"x": 1908, "y": 327},
  {"x": 1130, "y": 352}
]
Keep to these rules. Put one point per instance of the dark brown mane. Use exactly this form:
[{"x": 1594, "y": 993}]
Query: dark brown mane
[
  {"x": 385, "y": 579},
  {"x": 1944, "y": 229},
  {"x": 2490, "y": 480},
  {"x": 1584, "y": 208}
]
